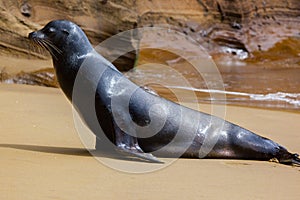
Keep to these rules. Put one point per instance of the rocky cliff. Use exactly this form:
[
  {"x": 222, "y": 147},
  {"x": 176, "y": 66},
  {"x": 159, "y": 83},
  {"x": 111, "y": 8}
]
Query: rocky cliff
[{"x": 233, "y": 27}]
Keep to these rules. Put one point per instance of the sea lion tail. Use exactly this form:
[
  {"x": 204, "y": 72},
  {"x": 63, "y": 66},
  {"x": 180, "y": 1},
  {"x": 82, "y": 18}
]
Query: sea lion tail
[{"x": 288, "y": 158}]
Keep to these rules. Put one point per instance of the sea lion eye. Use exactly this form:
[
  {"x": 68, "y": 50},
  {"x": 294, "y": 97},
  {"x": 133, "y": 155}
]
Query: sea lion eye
[
  {"x": 50, "y": 31},
  {"x": 65, "y": 31}
]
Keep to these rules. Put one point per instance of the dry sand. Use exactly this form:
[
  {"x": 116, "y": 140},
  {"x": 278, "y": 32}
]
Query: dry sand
[{"x": 42, "y": 158}]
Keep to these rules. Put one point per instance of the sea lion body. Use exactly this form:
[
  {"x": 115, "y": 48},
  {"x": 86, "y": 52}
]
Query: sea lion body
[
  {"x": 235, "y": 142},
  {"x": 183, "y": 130}
]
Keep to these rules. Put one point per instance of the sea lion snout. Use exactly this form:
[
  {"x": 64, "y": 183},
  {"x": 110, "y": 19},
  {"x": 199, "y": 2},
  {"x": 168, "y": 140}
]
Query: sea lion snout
[{"x": 36, "y": 35}]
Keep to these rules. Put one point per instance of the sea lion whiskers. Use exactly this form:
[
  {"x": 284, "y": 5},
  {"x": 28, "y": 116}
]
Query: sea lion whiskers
[
  {"x": 47, "y": 45},
  {"x": 50, "y": 47},
  {"x": 41, "y": 46},
  {"x": 55, "y": 48},
  {"x": 37, "y": 47}
]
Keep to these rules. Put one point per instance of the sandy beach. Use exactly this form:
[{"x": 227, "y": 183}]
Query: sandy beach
[{"x": 42, "y": 157}]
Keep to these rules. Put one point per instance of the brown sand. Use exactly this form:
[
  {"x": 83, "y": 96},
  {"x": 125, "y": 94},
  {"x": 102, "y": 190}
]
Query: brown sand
[{"x": 43, "y": 158}]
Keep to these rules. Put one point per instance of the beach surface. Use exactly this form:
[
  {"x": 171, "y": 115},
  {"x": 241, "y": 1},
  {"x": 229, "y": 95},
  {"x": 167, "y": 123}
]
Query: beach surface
[{"x": 42, "y": 157}]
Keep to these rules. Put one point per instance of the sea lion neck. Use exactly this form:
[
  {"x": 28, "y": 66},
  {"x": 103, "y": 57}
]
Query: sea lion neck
[
  {"x": 73, "y": 50},
  {"x": 66, "y": 68}
]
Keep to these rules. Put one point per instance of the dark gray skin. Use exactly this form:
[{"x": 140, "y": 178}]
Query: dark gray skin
[{"x": 69, "y": 47}]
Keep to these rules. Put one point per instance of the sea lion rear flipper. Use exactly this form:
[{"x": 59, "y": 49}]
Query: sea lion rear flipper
[
  {"x": 285, "y": 157},
  {"x": 128, "y": 145},
  {"x": 293, "y": 160},
  {"x": 296, "y": 160}
]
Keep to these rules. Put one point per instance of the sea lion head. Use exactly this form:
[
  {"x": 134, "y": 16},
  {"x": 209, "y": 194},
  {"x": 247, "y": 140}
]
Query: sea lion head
[{"x": 62, "y": 38}]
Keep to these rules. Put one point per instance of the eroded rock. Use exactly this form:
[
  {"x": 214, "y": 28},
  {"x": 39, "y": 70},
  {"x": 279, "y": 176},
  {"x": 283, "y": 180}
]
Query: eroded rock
[{"x": 234, "y": 28}]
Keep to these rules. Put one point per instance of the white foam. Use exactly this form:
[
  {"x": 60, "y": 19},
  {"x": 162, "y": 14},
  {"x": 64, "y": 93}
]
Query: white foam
[{"x": 290, "y": 98}]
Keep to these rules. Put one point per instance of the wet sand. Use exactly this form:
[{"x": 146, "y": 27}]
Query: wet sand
[{"x": 42, "y": 158}]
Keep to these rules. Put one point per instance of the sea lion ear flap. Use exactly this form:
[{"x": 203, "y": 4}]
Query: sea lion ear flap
[{"x": 66, "y": 32}]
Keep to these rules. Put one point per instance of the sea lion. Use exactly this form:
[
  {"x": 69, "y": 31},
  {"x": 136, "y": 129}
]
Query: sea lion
[{"x": 182, "y": 131}]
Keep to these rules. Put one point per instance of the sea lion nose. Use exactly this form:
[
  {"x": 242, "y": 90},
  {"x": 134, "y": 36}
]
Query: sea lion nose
[
  {"x": 36, "y": 34},
  {"x": 32, "y": 35}
]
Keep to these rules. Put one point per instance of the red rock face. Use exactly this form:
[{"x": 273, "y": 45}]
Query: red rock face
[{"x": 239, "y": 25}]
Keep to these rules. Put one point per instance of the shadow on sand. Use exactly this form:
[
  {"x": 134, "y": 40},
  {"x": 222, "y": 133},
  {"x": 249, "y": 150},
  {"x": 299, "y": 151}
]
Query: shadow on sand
[{"x": 69, "y": 151}]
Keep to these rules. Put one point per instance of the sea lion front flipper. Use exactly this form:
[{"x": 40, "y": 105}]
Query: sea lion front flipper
[
  {"x": 128, "y": 145},
  {"x": 295, "y": 160},
  {"x": 144, "y": 156}
]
